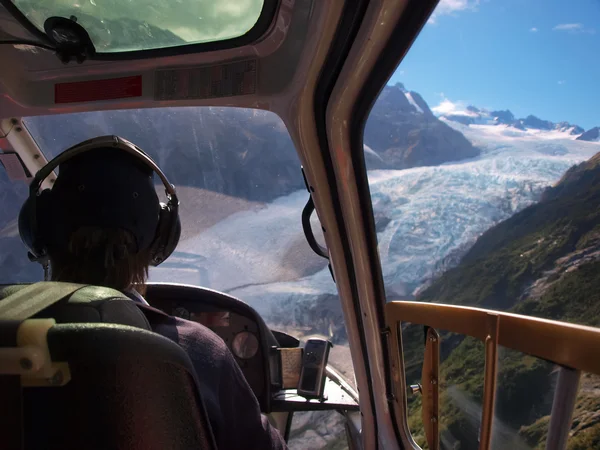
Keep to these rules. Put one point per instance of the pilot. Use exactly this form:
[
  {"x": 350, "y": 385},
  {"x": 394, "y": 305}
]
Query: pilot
[{"x": 100, "y": 223}]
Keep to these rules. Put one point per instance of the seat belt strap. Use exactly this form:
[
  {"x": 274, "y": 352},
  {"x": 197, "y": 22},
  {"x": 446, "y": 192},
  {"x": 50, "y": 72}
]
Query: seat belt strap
[{"x": 31, "y": 300}]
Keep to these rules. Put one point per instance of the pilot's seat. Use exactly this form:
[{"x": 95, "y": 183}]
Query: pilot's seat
[{"x": 111, "y": 383}]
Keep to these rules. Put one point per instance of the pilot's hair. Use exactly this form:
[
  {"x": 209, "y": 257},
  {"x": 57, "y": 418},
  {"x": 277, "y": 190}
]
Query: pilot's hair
[{"x": 102, "y": 257}]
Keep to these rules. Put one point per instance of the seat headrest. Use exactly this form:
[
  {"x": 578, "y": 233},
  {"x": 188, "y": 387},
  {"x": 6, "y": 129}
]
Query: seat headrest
[{"x": 90, "y": 304}]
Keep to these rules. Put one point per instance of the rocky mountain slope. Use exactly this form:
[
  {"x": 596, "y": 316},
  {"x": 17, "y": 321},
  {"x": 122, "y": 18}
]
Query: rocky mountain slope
[
  {"x": 592, "y": 135},
  {"x": 402, "y": 132},
  {"x": 238, "y": 152},
  {"x": 543, "y": 261}
]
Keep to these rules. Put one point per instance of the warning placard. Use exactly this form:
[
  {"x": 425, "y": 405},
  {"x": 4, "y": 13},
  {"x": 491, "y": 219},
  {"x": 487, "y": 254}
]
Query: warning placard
[
  {"x": 95, "y": 90},
  {"x": 197, "y": 83}
]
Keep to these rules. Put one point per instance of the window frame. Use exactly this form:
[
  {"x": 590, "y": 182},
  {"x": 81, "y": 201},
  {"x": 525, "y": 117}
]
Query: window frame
[{"x": 405, "y": 31}]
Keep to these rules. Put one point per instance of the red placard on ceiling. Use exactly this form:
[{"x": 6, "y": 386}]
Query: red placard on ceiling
[{"x": 96, "y": 90}]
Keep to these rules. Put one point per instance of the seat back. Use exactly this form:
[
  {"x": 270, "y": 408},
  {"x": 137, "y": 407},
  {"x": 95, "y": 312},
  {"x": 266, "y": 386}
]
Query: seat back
[
  {"x": 90, "y": 304},
  {"x": 127, "y": 388}
]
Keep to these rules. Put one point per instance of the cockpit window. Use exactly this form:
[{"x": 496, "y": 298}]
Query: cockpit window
[
  {"x": 15, "y": 266},
  {"x": 483, "y": 173},
  {"x": 118, "y": 26},
  {"x": 239, "y": 181},
  {"x": 241, "y": 190}
]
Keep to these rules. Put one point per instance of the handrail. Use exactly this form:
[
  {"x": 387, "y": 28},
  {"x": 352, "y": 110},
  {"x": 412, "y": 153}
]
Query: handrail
[{"x": 569, "y": 345}]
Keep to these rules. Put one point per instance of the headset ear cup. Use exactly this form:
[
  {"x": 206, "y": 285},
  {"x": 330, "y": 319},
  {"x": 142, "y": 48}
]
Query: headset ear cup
[
  {"x": 174, "y": 237},
  {"x": 25, "y": 226},
  {"x": 33, "y": 220},
  {"x": 167, "y": 236}
]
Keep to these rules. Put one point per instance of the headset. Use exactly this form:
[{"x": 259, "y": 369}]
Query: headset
[{"x": 167, "y": 232}]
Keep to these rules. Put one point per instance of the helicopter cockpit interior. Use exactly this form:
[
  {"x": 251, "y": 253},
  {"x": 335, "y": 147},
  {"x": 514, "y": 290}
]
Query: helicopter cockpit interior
[{"x": 386, "y": 274}]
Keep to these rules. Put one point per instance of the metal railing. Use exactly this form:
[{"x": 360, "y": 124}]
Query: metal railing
[{"x": 575, "y": 348}]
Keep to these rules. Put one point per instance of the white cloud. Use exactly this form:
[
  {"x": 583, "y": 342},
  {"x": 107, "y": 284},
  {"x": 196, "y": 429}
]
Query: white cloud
[
  {"x": 574, "y": 28},
  {"x": 533, "y": 30},
  {"x": 447, "y": 107},
  {"x": 568, "y": 27},
  {"x": 445, "y": 7},
  {"x": 450, "y": 6},
  {"x": 562, "y": 81}
]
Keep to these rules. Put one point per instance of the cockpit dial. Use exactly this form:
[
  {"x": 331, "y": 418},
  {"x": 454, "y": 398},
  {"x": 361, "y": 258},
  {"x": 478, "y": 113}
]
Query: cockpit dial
[{"x": 245, "y": 345}]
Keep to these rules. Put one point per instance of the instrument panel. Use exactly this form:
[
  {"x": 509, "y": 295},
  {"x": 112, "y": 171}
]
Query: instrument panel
[{"x": 260, "y": 352}]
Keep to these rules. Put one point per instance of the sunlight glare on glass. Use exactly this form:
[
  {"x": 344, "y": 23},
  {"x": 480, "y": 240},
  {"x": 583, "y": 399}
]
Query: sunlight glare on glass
[{"x": 116, "y": 26}]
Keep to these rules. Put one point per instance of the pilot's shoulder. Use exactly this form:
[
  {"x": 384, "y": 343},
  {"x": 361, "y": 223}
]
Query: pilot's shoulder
[
  {"x": 204, "y": 347},
  {"x": 199, "y": 340}
]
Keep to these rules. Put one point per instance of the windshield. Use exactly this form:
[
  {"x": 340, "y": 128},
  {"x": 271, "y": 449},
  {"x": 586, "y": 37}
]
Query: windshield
[
  {"x": 116, "y": 26},
  {"x": 482, "y": 155},
  {"x": 241, "y": 190}
]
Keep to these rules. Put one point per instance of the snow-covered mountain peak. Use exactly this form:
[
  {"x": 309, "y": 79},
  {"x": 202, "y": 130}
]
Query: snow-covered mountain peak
[
  {"x": 400, "y": 99},
  {"x": 505, "y": 116},
  {"x": 472, "y": 115},
  {"x": 413, "y": 103}
]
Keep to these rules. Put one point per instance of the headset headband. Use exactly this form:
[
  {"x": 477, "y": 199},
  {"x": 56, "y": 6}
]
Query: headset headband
[
  {"x": 104, "y": 142},
  {"x": 169, "y": 226}
]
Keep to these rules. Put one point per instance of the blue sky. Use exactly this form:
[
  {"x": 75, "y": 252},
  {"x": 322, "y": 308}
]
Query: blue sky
[{"x": 538, "y": 57}]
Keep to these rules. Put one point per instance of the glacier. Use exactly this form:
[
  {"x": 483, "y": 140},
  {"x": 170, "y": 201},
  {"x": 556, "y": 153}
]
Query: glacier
[{"x": 429, "y": 212}]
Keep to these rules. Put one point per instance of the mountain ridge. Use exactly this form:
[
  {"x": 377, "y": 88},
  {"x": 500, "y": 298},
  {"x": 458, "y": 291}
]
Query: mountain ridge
[
  {"x": 404, "y": 133},
  {"x": 591, "y": 135},
  {"x": 473, "y": 115}
]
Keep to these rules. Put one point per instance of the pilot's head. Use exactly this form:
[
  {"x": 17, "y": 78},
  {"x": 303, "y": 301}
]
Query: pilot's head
[{"x": 102, "y": 222}]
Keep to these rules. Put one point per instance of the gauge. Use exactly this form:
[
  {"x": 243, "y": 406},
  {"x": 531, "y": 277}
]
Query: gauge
[
  {"x": 181, "y": 312},
  {"x": 245, "y": 345}
]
